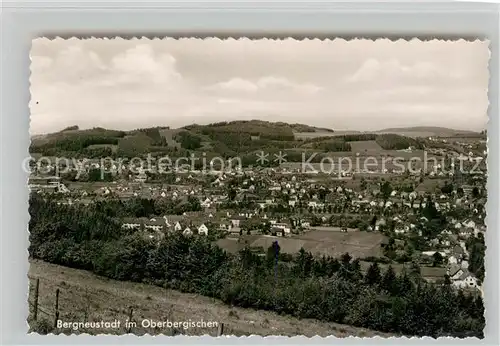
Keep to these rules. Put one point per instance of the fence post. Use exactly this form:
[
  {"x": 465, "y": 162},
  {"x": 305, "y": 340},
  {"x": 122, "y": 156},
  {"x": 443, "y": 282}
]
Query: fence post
[
  {"x": 220, "y": 329},
  {"x": 56, "y": 318},
  {"x": 35, "y": 304},
  {"x": 87, "y": 305},
  {"x": 129, "y": 327}
]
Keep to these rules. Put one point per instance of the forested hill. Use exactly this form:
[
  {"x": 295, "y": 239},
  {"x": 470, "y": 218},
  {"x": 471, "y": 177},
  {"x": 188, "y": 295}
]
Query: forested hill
[{"x": 224, "y": 139}]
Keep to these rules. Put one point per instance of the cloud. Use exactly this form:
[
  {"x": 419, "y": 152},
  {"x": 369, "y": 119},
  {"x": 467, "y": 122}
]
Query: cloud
[
  {"x": 80, "y": 65},
  {"x": 284, "y": 84},
  {"x": 235, "y": 84},
  {"x": 269, "y": 83},
  {"x": 141, "y": 65},
  {"x": 70, "y": 65},
  {"x": 373, "y": 70},
  {"x": 358, "y": 84}
]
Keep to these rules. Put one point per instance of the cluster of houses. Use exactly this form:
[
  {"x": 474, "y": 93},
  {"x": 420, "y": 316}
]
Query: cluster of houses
[
  {"x": 286, "y": 202},
  {"x": 201, "y": 224},
  {"x": 50, "y": 184},
  {"x": 164, "y": 224}
]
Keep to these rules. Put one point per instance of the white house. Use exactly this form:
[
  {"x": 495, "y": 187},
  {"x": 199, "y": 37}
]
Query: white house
[
  {"x": 141, "y": 177},
  {"x": 154, "y": 225},
  {"x": 469, "y": 223},
  {"x": 452, "y": 260},
  {"x": 283, "y": 226},
  {"x": 206, "y": 203},
  {"x": 399, "y": 231},
  {"x": 312, "y": 204},
  {"x": 131, "y": 225},
  {"x": 203, "y": 229},
  {"x": 187, "y": 231},
  {"x": 466, "y": 280},
  {"x": 431, "y": 253}
]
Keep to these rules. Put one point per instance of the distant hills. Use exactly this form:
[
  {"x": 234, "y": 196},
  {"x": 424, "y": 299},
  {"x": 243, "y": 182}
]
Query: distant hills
[
  {"x": 227, "y": 139},
  {"x": 428, "y": 131}
]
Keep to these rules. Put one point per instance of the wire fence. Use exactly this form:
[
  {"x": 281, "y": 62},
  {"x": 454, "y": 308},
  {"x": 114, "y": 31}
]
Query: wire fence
[{"x": 51, "y": 314}]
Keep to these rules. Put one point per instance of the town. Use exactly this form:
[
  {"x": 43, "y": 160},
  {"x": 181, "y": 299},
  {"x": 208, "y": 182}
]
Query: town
[{"x": 428, "y": 218}]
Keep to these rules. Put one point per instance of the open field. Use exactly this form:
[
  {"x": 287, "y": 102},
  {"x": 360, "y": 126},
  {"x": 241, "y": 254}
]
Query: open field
[
  {"x": 471, "y": 140},
  {"x": 411, "y": 134},
  {"x": 113, "y": 147},
  {"x": 169, "y": 136},
  {"x": 310, "y": 135},
  {"x": 325, "y": 241},
  {"x": 84, "y": 294},
  {"x": 428, "y": 273},
  {"x": 428, "y": 131},
  {"x": 366, "y": 146},
  {"x": 374, "y": 160}
]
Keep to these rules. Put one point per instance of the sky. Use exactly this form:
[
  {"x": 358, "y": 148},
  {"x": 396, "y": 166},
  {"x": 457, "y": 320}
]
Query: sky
[{"x": 346, "y": 85}]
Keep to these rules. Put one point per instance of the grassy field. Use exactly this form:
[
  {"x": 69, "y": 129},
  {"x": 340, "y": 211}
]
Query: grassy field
[
  {"x": 319, "y": 242},
  {"x": 365, "y": 146},
  {"x": 411, "y": 134},
  {"x": 113, "y": 147},
  {"x": 373, "y": 159},
  {"x": 169, "y": 135},
  {"x": 310, "y": 135},
  {"x": 87, "y": 297},
  {"x": 428, "y": 273}
]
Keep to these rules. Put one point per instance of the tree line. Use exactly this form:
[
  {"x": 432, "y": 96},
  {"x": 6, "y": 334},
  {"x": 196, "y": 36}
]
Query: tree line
[{"x": 323, "y": 288}]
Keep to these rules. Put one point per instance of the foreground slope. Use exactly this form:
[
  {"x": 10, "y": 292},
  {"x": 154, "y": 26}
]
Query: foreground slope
[{"x": 85, "y": 296}]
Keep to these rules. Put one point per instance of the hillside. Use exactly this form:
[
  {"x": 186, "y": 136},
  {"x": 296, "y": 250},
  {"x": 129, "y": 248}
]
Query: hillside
[
  {"x": 256, "y": 126},
  {"x": 85, "y": 294},
  {"x": 229, "y": 139},
  {"x": 427, "y": 131},
  {"x": 218, "y": 139}
]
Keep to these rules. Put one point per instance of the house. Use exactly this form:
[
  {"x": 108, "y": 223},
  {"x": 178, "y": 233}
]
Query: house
[
  {"x": 203, "y": 229},
  {"x": 466, "y": 232},
  {"x": 458, "y": 252},
  {"x": 141, "y": 177},
  {"x": 283, "y": 226},
  {"x": 469, "y": 224},
  {"x": 452, "y": 260},
  {"x": 431, "y": 253},
  {"x": 156, "y": 225},
  {"x": 399, "y": 231},
  {"x": 131, "y": 223},
  {"x": 187, "y": 231},
  {"x": 225, "y": 226},
  {"x": 277, "y": 231},
  {"x": 207, "y": 203},
  {"x": 235, "y": 231},
  {"x": 237, "y": 220},
  {"x": 455, "y": 272},
  {"x": 312, "y": 204},
  {"x": 464, "y": 279}
]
